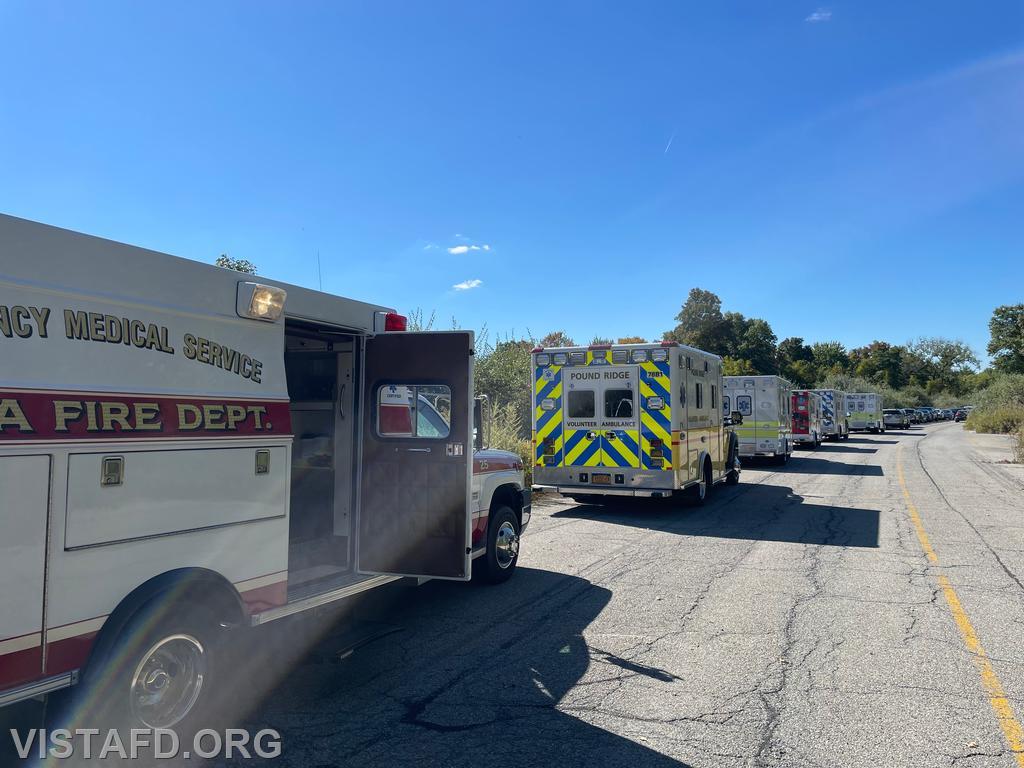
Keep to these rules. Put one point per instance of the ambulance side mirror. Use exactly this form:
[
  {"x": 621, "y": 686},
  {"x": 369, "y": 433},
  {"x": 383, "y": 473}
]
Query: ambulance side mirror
[
  {"x": 734, "y": 419},
  {"x": 481, "y": 422}
]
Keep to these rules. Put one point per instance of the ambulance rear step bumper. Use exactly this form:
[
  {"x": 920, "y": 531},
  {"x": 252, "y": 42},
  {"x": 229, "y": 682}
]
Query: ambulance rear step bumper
[{"x": 602, "y": 490}]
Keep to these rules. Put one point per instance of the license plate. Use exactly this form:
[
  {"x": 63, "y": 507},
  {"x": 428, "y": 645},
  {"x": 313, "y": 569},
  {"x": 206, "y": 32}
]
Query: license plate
[{"x": 601, "y": 479}]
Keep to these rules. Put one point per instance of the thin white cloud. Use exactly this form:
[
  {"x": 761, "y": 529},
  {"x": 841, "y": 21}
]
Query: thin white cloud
[
  {"x": 669, "y": 145},
  {"x": 820, "y": 15},
  {"x": 468, "y": 285},
  {"x": 430, "y": 247},
  {"x": 457, "y": 250}
]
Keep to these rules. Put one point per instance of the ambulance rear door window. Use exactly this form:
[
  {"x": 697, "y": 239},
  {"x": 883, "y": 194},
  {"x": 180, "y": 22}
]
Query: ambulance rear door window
[{"x": 580, "y": 404}]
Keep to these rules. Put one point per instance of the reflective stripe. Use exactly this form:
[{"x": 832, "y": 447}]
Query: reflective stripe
[
  {"x": 655, "y": 381},
  {"x": 547, "y": 424},
  {"x": 621, "y": 450}
]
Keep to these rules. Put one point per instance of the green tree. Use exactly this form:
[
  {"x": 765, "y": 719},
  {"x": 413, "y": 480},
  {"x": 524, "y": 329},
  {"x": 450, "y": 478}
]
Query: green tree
[
  {"x": 880, "y": 362},
  {"x": 942, "y": 364},
  {"x": 557, "y": 339},
  {"x": 504, "y": 373},
  {"x": 796, "y": 361},
  {"x": 830, "y": 358},
  {"x": 756, "y": 344},
  {"x": 701, "y": 323},
  {"x": 239, "y": 265},
  {"x": 600, "y": 340},
  {"x": 733, "y": 367},
  {"x": 1006, "y": 345},
  {"x": 632, "y": 340}
]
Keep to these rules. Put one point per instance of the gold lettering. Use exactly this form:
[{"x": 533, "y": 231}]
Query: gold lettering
[
  {"x": 96, "y": 326},
  {"x": 91, "y": 425},
  {"x": 12, "y": 415},
  {"x": 19, "y": 322},
  {"x": 138, "y": 333},
  {"x": 147, "y": 417},
  {"x": 76, "y": 324},
  {"x": 190, "y": 346},
  {"x": 112, "y": 329},
  {"x": 246, "y": 367},
  {"x": 236, "y": 413},
  {"x": 153, "y": 337},
  {"x": 115, "y": 413},
  {"x": 204, "y": 351},
  {"x": 257, "y": 371},
  {"x": 214, "y": 416},
  {"x": 42, "y": 317},
  {"x": 65, "y": 411},
  {"x": 189, "y": 417},
  {"x": 258, "y": 412},
  {"x": 215, "y": 350}
]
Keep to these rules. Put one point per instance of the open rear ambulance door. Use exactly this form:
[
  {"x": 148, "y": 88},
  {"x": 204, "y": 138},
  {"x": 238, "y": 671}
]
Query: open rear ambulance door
[{"x": 417, "y": 456}]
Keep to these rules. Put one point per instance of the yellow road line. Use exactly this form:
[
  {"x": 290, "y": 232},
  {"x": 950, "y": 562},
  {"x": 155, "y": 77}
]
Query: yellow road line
[{"x": 997, "y": 698}]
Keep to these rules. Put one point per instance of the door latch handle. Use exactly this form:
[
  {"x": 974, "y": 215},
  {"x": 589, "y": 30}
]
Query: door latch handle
[
  {"x": 418, "y": 450},
  {"x": 341, "y": 401}
]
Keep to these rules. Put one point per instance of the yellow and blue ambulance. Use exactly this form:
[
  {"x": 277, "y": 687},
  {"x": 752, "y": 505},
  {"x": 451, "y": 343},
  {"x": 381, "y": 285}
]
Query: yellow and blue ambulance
[{"x": 630, "y": 420}]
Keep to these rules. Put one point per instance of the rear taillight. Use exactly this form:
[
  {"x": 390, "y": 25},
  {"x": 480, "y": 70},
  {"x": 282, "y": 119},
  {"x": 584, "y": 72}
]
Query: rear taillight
[{"x": 395, "y": 322}]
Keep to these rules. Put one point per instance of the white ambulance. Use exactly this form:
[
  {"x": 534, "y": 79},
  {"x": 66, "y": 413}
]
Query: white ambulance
[
  {"x": 185, "y": 448},
  {"x": 865, "y": 409},
  {"x": 764, "y": 404},
  {"x": 630, "y": 420},
  {"x": 834, "y": 424},
  {"x": 805, "y": 406}
]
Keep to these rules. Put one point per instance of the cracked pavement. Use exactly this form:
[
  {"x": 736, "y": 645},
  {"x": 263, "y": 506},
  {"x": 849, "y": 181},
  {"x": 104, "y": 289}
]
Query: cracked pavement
[{"x": 792, "y": 621}]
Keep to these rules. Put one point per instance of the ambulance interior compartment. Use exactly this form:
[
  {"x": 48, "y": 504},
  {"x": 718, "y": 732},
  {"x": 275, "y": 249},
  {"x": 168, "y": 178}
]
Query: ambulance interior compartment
[{"x": 320, "y": 365}]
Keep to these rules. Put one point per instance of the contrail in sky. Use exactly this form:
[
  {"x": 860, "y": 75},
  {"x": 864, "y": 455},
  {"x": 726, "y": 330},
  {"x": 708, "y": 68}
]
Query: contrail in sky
[{"x": 671, "y": 139}]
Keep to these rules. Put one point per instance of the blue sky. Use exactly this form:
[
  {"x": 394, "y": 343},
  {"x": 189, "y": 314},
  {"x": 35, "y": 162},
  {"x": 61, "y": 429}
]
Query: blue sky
[{"x": 847, "y": 171}]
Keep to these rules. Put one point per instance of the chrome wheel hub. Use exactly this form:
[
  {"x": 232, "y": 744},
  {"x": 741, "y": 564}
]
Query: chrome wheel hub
[
  {"x": 506, "y": 545},
  {"x": 167, "y": 681}
]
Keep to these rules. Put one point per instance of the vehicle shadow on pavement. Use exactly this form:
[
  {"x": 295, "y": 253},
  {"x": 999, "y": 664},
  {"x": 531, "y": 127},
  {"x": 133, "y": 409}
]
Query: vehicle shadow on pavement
[
  {"x": 476, "y": 677},
  {"x": 753, "y": 513},
  {"x": 837, "y": 448},
  {"x": 810, "y": 465}
]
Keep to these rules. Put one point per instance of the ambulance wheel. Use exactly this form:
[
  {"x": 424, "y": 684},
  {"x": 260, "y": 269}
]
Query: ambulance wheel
[
  {"x": 499, "y": 562},
  {"x": 159, "y": 673},
  {"x": 700, "y": 492},
  {"x": 782, "y": 458}
]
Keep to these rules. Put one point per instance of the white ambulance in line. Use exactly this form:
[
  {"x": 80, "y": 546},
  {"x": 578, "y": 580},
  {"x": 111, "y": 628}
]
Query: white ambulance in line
[
  {"x": 807, "y": 415},
  {"x": 834, "y": 423},
  {"x": 184, "y": 449},
  {"x": 865, "y": 409},
  {"x": 764, "y": 403},
  {"x": 630, "y": 420}
]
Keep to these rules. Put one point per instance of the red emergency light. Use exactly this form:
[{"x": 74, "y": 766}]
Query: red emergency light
[{"x": 395, "y": 322}]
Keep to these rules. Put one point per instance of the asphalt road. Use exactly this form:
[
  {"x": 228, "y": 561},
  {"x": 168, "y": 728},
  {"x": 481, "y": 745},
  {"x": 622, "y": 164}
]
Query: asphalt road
[{"x": 862, "y": 606}]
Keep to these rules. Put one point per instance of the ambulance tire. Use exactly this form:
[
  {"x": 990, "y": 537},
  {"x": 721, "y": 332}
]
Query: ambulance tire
[
  {"x": 782, "y": 458},
  {"x": 700, "y": 492},
  {"x": 178, "y": 651},
  {"x": 499, "y": 562}
]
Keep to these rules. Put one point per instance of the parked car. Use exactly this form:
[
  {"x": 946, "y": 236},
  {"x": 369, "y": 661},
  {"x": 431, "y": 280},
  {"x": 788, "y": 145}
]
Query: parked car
[
  {"x": 894, "y": 418},
  {"x": 911, "y": 416},
  {"x": 961, "y": 415},
  {"x": 922, "y": 415},
  {"x": 947, "y": 413}
]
